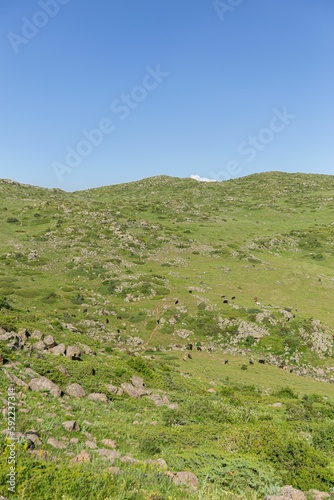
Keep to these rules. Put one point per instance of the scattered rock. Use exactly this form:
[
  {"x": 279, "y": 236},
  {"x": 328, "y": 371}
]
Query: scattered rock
[
  {"x": 34, "y": 438},
  {"x": 74, "y": 440},
  {"x": 287, "y": 493},
  {"x": 318, "y": 495},
  {"x": 109, "y": 442},
  {"x": 160, "y": 462},
  {"x": 138, "y": 382},
  {"x": 108, "y": 454},
  {"x": 91, "y": 444},
  {"x": 56, "y": 444},
  {"x": 186, "y": 478},
  {"x": 45, "y": 385},
  {"x": 83, "y": 456},
  {"x": 36, "y": 334},
  {"x": 75, "y": 390},
  {"x": 112, "y": 388},
  {"x": 58, "y": 350},
  {"x": 73, "y": 352},
  {"x": 39, "y": 346},
  {"x": 49, "y": 341},
  {"x": 98, "y": 396},
  {"x": 134, "y": 392},
  {"x": 71, "y": 426}
]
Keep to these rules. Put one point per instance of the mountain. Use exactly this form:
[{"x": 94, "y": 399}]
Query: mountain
[{"x": 196, "y": 319}]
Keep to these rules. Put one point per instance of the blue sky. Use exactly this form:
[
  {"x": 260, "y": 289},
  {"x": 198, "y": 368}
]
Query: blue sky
[{"x": 101, "y": 92}]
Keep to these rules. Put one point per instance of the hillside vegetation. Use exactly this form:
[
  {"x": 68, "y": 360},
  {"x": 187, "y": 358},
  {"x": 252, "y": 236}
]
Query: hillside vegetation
[{"x": 196, "y": 319}]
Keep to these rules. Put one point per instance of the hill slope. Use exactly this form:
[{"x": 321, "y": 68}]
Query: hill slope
[{"x": 139, "y": 274}]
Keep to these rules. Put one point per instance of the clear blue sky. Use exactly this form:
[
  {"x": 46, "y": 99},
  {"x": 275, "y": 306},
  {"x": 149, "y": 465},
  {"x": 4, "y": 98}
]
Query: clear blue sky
[{"x": 225, "y": 76}]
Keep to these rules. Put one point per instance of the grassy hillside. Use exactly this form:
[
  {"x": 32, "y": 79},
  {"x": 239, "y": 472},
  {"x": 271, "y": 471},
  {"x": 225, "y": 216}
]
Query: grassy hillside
[{"x": 132, "y": 274}]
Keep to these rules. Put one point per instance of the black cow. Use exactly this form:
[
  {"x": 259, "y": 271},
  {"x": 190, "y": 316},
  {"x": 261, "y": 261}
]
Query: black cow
[
  {"x": 176, "y": 302},
  {"x": 190, "y": 356},
  {"x": 225, "y": 301},
  {"x": 233, "y": 298},
  {"x": 262, "y": 361},
  {"x": 190, "y": 347},
  {"x": 199, "y": 348},
  {"x": 226, "y": 361}
]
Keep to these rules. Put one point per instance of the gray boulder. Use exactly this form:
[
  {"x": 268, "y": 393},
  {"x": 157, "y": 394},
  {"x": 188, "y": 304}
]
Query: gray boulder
[
  {"x": 98, "y": 396},
  {"x": 49, "y": 341},
  {"x": 71, "y": 426},
  {"x": 43, "y": 384},
  {"x": 73, "y": 352},
  {"x": 75, "y": 390},
  {"x": 58, "y": 350}
]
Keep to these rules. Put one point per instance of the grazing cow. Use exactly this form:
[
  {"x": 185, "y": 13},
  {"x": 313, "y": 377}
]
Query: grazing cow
[
  {"x": 262, "y": 361},
  {"x": 190, "y": 356},
  {"x": 251, "y": 362},
  {"x": 85, "y": 310},
  {"x": 158, "y": 321},
  {"x": 190, "y": 291},
  {"x": 190, "y": 347},
  {"x": 233, "y": 298},
  {"x": 176, "y": 302},
  {"x": 93, "y": 371},
  {"x": 119, "y": 317},
  {"x": 222, "y": 296},
  {"x": 291, "y": 370},
  {"x": 225, "y": 301},
  {"x": 107, "y": 320},
  {"x": 226, "y": 361},
  {"x": 199, "y": 348},
  {"x": 118, "y": 330}
]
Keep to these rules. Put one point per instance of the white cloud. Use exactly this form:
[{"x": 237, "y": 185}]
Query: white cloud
[{"x": 202, "y": 179}]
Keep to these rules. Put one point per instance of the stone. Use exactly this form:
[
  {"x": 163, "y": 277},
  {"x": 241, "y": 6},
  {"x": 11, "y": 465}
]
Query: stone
[
  {"x": 287, "y": 493},
  {"x": 73, "y": 352},
  {"x": 71, "y": 426},
  {"x": 58, "y": 350},
  {"x": 56, "y": 444},
  {"x": 34, "y": 438},
  {"x": 159, "y": 400},
  {"x": 186, "y": 478},
  {"x": 74, "y": 440},
  {"x": 318, "y": 495},
  {"x": 91, "y": 444},
  {"x": 83, "y": 456},
  {"x": 160, "y": 462},
  {"x": 75, "y": 390},
  {"x": 43, "y": 384},
  {"x": 212, "y": 391},
  {"x": 134, "y": 392},
  {"x": 23, "y": 334},
  {"x": 109, "y": 442},
  {"x": 98, "y": 396},
  {"x": 87, "y": 350},
  {"x": 39, "y": 346},
  {"x": 112, "y": 388},
  {"x": 36, "y": 334},
  {"x": 127, "y": 459},
  {"x": 108, "y": 454},
  {"x": 138, "y": 382},
  {"x": 49, "y": 341}
]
